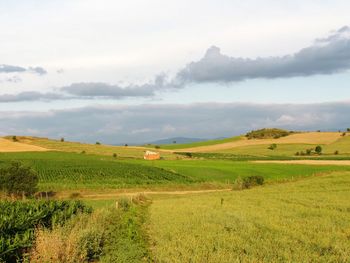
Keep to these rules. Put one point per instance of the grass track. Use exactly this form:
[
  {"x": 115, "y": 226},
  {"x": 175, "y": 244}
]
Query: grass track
[{"x": 303, "y": 221}]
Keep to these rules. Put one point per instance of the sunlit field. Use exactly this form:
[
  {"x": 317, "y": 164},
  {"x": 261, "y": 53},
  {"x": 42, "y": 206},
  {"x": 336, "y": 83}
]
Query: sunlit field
[{"x": 304, "y": 221}]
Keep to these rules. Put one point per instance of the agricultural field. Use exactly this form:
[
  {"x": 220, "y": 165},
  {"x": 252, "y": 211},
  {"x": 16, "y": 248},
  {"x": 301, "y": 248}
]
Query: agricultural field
[
  {"x": 198, "y": 144},
  {"x": 62, "y": 171},
  {"x": 77, "y": 147},
  {"x": 302, "y": 221}
]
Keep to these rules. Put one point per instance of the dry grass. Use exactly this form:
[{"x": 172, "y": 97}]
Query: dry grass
[
  {"x": 311, "y": 162},
  {"x": 10, "y": 146},
  {"x": 78, "y": 241},
  {"x": 323, "y": 138}
]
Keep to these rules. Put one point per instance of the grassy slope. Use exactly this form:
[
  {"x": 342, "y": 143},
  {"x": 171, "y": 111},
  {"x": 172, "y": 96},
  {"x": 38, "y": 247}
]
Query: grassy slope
[
  {"x": 107, "y": 150},
  {"x": 198, "y": 144},
  {"x": 220, "y": 171},
  {"x": 303, "y": 221},
  {"x": 59, "y": 170}
]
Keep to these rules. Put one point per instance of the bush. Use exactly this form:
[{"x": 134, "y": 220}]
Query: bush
[
  {"x": 157, "y": 146},
  {"x": 318, "y": 149},
  {"x": 297, "y": 153},
  {"x": 272, "y": 146},
  {"x": 98, "y": 143},
  {"x": 308, "y": 151},
  {"x": 18, "y": 180},
  {"x": 336, "y": 152},
  {"x": 14, "y": 138},
  {"x": 115, "y": 155},
  {"x": 343, "y": 134},
  {"x": 248, "y": 182},
  {"x": 62, "y": 139}
]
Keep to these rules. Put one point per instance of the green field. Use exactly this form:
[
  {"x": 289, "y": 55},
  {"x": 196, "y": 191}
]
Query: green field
[
  {"x": 72, "y": 171},
  {"x": 303, "y": 221},
  {"x": 59, "y": 171},
  {"x": 175, "y": 146},
  {"x": 221, "y": 171}
]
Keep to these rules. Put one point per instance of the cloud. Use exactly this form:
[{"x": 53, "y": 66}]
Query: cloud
[
  {"x": 16, "y": 69},
  {"x": 30, "y": 96},
  {"x": 326, "y": 56},
  {"x": 95, "y": 90},
  {"x": 144, "y": 123}
]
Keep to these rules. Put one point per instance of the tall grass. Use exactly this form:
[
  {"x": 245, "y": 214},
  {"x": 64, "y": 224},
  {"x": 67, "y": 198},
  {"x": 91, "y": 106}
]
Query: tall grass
[{"x": 303, "y": 221}]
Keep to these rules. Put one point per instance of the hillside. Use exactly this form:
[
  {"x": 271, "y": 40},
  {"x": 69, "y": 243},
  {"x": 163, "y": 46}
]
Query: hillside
[
  {"x": 260, "y": 146},
  {"x": 11, "y": 146}
]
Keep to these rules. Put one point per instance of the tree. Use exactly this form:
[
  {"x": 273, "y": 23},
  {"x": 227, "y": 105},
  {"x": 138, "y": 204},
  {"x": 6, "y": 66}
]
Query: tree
[
  {"x": 318, "y": 149},
  {"x": 115, "y": 155},
  {"x": 14, "y": 138},
  {"x": 98, "y": 143},
  {"x": 157, "y": 146},
  {"x": 62, "y": 139},
  {"x": 174, "y": 142},
  {"x": 348, "y": 129},
  {"x": 18, "y": 180}
]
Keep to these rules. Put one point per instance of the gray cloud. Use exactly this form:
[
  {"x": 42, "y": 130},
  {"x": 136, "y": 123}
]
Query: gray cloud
[
  {"x": 94, "y": 90},
  {"x": 30, "y": 96},
  {"x": 326, "y": 56},
  {"x": 142, "y": 123},
  {"x": 17, "y": 69}
]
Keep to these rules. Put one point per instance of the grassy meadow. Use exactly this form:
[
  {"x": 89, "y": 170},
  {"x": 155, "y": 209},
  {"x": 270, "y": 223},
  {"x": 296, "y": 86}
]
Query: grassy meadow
[
  {"x": 300, "y": 214},
  {"x": 302, "y": 221}
]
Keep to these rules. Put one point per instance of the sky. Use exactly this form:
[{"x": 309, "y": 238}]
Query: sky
[{"x": 138, "y": 71}]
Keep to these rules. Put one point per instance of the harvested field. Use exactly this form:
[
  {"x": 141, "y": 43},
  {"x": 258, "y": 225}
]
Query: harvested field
[
  {"x": 10, "y": 146},
  {"x": 310, "y": 162},
  {"x": 299, "y": 138}
]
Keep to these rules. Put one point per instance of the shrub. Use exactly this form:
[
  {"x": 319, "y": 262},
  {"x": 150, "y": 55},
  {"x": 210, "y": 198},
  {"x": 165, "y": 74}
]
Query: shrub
[
  {"x": 343, "y": 134},
  {"x": 83, "y": 152},
  {"x": 18, "y": 179},
  {"x": 318, "y": 149},
  {"x": 297, "y": 153},
  {"x": 272, "y": 146},
  {"x": 98, "y": 143},
  {"x": 348, "y": 129},
  {"x": 14, "y": 138},
  {"x": 62, "y": 139},
  {"x": 308, "y": 151},
  {"x": 336, "y": 152},
  {"x": 157, "y": 146},
  {"x": 248, "y": 182},
  {"x": 115, "y": 155}
]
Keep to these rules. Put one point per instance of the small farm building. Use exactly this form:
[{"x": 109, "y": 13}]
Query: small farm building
[{"x": 151, "y": 155}]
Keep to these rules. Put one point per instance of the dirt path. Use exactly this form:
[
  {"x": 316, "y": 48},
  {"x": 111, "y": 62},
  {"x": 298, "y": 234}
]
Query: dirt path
[
  {"x": 311, "y": 162},
  {"x": 301, "y": 138},
  {"x": 118, "y": 194},
  {"x": 10, "y": 146}
]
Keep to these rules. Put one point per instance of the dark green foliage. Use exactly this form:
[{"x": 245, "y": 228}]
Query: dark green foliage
[
  {"x": 17, "y": 180},
  {"x": 272, "y": 146},
  {"x": 115, "y": 155},
  {"x": 308, "y": 151},
  {"x": 157, "y": 146},
  {"x": 253, "y": 181},
  {"x": 267, "y": 133},
  {"x": 318, "y": 149},
  {"x": 14, "y": 138},
  {"x": 336, "y": 152},
  {"x": 62, "y": 139},
  {"x": 98, "y": 143},
  {"x": 348, "y": 129},
  {"x": 18, "y": 221}
]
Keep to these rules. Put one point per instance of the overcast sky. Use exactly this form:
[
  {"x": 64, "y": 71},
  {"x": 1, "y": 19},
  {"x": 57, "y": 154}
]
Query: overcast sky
[{"x": 137, "y": 71}]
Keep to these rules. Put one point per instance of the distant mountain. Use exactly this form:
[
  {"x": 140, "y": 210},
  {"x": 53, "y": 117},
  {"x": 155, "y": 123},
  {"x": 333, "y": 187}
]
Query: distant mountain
[{"x": 178, "y": 140}]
